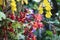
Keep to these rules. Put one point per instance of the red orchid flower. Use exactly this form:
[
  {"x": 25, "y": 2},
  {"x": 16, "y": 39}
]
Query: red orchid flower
[
  {"x": 40, "y": 25},
  {"x": 22, "y": 14},
  {"x": 11, "y": 29},
  {"x": 22, "y": 17},
  {"x": 35, "y": 25},
  {"x": 12, "y": 16},
  {"x": 34, "y": 38},
  {"x": 38, "y": 17},
  {"x": 26, "y": 31}
]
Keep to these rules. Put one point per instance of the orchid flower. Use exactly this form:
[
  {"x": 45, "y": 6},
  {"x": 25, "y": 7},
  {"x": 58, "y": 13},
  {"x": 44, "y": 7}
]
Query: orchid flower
[
  {"x": 48, "y": 9},
  {"x": 13, "y": 6},
  {"x": 38, "y": 17}
]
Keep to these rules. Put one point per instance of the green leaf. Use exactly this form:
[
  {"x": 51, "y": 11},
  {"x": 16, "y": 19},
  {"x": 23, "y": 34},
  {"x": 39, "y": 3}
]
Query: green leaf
[
  {"x": 10, "y": 20},
  {"x": 56, "y": 22},
  {"x": 55, "y": 37},
  {"x": 16, "y": 25},
  {"x": 48, "y": 38},
  {"x": 49, "y": 33},
  {"x": 35, "y": 6},
  {"x": 57, "y": 29},
  {"x": 58, "y": 0},
  {"x": 0, "y": 8}
]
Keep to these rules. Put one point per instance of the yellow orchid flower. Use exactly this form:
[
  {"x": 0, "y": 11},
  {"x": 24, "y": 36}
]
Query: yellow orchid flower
[
  {"x": 41, "y": 12},
  {"x": 40, "y": 9},
  {"x": 13, "y": 5},
  {"x": 1, "y": 2},
  {"x": 48, "y": 8},
  {"x": 47, "y": 5},
  {"x": 48, "y": 14},
  {"x": 45, "y": 1}
]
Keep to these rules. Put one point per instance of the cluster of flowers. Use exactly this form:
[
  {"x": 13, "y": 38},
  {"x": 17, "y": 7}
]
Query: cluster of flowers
[
  {"x": 45, "y": 5},
  {"x": 32, "y": 20}
]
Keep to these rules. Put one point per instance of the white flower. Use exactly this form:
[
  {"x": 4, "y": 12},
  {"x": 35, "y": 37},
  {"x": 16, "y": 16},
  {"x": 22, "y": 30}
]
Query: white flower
[
  {"x": 2, "y": 15},
  {"x": 30, "y": 11},
  {"x": 57, "y": 14}
]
